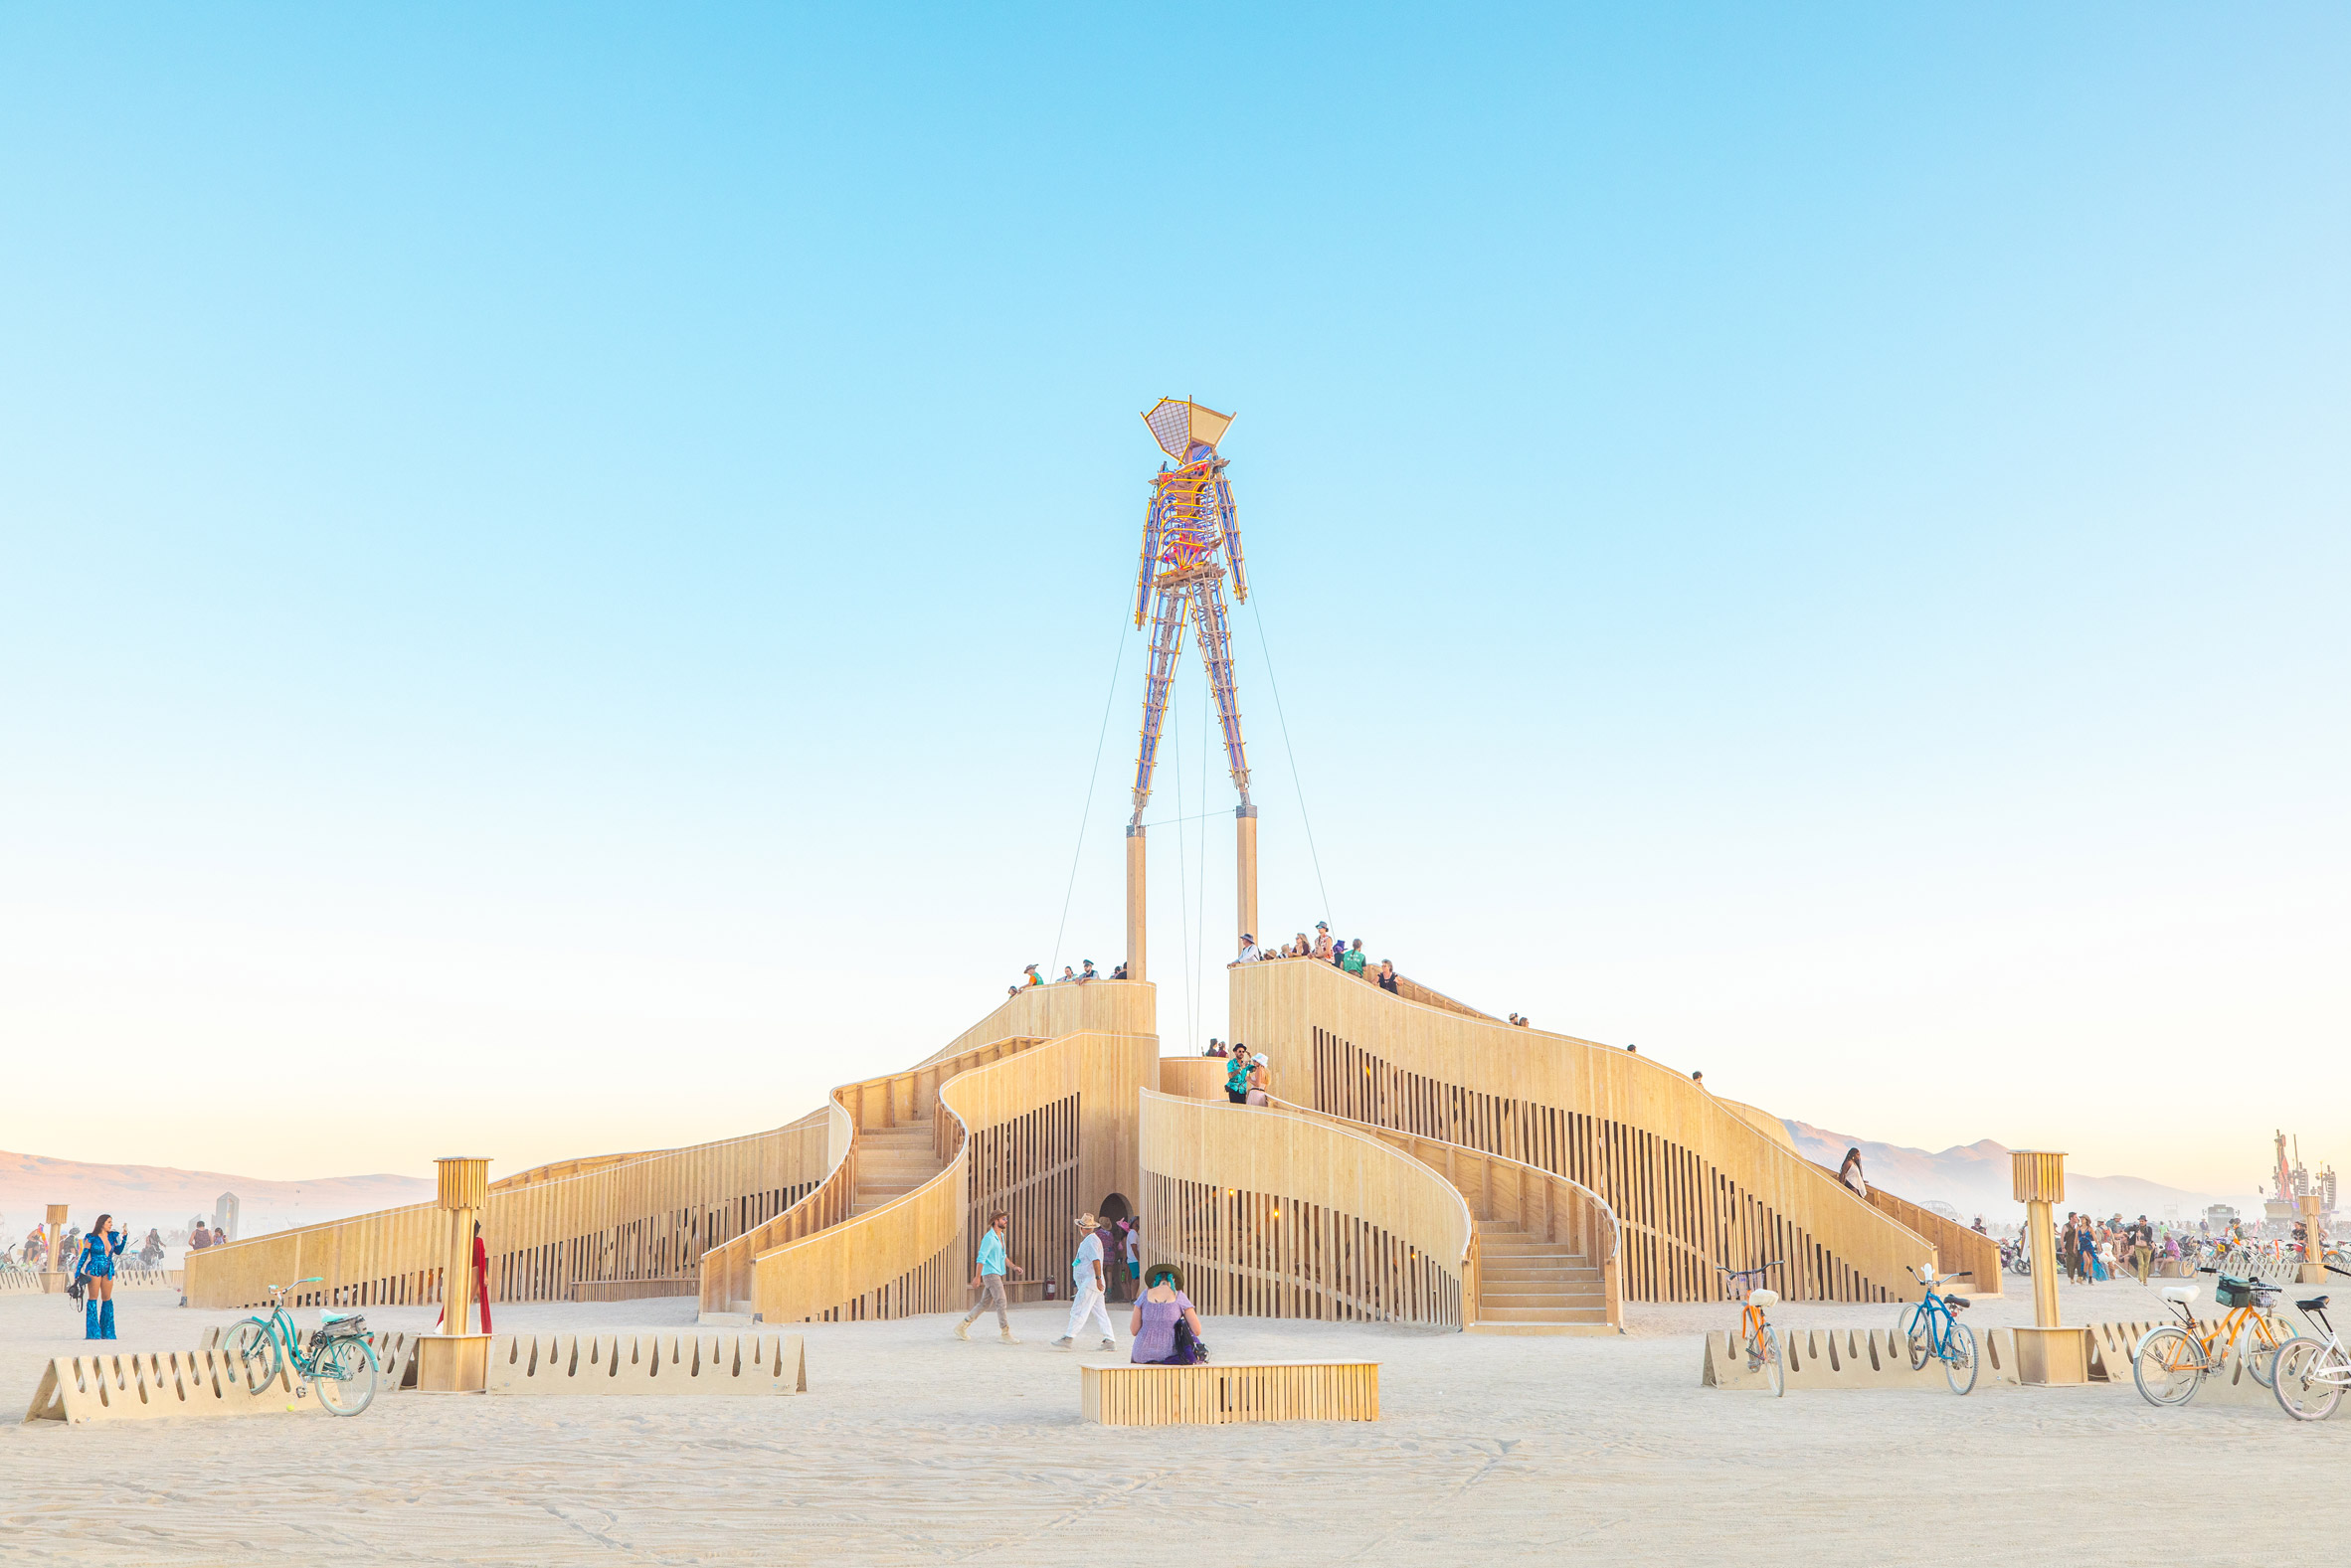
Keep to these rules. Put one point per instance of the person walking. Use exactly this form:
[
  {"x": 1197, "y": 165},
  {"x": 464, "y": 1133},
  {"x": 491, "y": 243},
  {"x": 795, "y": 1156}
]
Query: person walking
[
  {"x": 987, "y": 1277},
  {"x": 1085, "y": 1294},
  {"x": 99, "y": 1249},
  {"x": 2142, "y": 1249}
]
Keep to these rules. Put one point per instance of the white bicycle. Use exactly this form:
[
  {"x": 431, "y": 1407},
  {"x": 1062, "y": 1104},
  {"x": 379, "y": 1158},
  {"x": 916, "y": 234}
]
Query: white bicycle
[{"x": 2312, "y": 1373}]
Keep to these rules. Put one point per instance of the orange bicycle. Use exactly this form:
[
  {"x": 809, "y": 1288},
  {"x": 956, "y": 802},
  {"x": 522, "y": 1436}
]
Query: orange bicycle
[
  {"x": 2170, "y": 1362},
  {"x": 1759, "y": 1339}
]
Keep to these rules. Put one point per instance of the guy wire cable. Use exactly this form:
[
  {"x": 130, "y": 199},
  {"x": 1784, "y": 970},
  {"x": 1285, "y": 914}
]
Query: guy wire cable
[
  {"x": 1059, "y": 930},
  {"x": 1266, "y": 652}
]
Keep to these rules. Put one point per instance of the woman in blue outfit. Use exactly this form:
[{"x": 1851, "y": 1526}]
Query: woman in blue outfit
[{"x": 99, "y": 1249}]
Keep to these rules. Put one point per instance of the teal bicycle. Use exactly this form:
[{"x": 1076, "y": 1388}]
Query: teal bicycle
[
  {"x": 338, "y": 1360},
  {"x": 1931, "y": 1327}
]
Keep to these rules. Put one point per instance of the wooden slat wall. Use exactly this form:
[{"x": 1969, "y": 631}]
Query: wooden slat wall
[
  {"x": 1692, "y": 1183},
  {"x": 1272, "y": 1214},
  {"x": 648, "y": 1218},
  {"x": 1547, "y": 1205},
  {"x": 1043, "y": 1121},
  {"x": 1957, "y": 1249}
]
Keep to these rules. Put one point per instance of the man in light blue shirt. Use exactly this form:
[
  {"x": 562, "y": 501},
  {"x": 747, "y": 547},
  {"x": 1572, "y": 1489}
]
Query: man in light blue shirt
[{"x": 987, "y": 1277}]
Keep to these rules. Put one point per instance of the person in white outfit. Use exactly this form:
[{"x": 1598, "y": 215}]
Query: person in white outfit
[{"x": 1085, "y": 1288}]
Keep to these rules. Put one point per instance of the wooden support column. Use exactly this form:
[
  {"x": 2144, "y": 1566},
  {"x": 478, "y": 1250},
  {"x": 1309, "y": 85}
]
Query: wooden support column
[
  {"x": 1245, "y": 844},
  {"x": 57, "y": 1271},
  {"x": 2048, "y": 1352},
  {"x": 453, "y": 1362},
  {"x": 2314, "y": 1250},
  {"x": 1136, "y": 967}
]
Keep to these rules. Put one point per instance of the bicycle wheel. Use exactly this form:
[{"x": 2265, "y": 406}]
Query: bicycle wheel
[
  {"x": 1959, "y": 1366},
  {"x": 1775, "y": 1370},
  {"x": 344, "y": 1376},
  {"x": 2167, "y": 1366},
  {"x": 2261, "y": 1358},
  {"x": 1921, "y": 1339},
  {"x": 252, "y": 1345},
  {"x": 2309, "y": 1381}
]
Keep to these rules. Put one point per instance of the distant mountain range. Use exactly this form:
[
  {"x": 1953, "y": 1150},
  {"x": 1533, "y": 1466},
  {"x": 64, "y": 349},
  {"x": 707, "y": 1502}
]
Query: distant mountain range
[
  {"x": 143, "y": 1197},
  {"x": 1974, "y": 1180}
]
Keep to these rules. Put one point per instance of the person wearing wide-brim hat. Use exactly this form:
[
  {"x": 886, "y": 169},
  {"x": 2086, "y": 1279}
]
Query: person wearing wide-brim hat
[{"x": 1085, "y": 1293}]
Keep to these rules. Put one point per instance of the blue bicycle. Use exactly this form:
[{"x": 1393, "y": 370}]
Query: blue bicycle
[
  {"x": 338, "y": 1360},
  {"x": 1931, "y": 1327}
]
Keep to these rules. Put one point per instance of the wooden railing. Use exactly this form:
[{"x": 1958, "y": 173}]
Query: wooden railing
[
  {"x": 643, "y": 1219},
  {"x": 892, "y": 1099},
  {"x": 1275, "y": 1214},
  {"x": 1957, "y": 1249},
  {"x": 1545, "y": 1205},
  {"x": 1693, "y": 1183}
]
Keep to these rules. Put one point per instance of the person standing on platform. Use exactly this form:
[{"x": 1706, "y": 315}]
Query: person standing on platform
[
  {"x": 987, "y": 1277},
  {"x": 1249, "y": 952},
  {"x": 1237, "y": 1076},
  {"x": 1353, "y": 961},
  {"x": 1085, "y": 1279},
  {"x": 99, "y": 1249}
]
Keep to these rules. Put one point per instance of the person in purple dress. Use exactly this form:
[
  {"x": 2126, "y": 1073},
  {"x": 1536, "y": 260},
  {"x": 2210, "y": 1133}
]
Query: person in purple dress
[{"x": 1158, "y": 1311}]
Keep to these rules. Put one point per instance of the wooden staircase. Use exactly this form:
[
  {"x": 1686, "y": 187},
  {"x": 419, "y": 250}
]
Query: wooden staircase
[
  {"x": 891, "y": 1162},
  {"x": 1529, "y": 1286}
]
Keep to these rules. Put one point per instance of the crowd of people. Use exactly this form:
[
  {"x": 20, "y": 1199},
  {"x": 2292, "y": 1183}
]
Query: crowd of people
[
  {"x": 1107, "y": 1266},
  {"x": 1248, "y": 1076},
  {"x": 1340, "y": 954},
  {"x": 1033, "y": 975}
]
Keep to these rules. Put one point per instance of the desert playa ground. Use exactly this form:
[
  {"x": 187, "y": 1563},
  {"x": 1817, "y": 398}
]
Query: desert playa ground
[{"x": 911, "y": 1447}]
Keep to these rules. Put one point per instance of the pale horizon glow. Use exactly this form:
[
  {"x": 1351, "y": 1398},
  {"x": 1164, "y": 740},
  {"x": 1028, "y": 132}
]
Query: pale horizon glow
[{"x": 581, "y": 556}]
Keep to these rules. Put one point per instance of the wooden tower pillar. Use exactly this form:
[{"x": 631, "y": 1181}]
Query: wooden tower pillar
[
  {"x": 2048, "y": 1352},
  {"x": 453, "y": 1362},
  {"x": 1245, "y": 840},
  {"x": 1137, "y": 969}
]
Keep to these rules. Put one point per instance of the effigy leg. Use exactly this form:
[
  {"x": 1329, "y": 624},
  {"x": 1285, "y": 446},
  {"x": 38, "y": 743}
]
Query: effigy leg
[
  {"x": 1167, "y": 645},
  {"x": 1207, "y": 609}
]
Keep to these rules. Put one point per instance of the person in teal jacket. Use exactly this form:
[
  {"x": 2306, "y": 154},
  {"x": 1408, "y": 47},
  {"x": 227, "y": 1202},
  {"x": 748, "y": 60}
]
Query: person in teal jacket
[{"x": 99, "y": 1249}]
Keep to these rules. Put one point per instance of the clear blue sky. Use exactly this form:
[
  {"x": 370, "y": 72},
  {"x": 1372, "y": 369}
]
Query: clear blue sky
[{"x": 588, "y": 544}]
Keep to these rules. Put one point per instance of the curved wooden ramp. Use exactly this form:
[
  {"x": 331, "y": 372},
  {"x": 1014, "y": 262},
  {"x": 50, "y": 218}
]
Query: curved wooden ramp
[{"x": 1690, "y": 1179}]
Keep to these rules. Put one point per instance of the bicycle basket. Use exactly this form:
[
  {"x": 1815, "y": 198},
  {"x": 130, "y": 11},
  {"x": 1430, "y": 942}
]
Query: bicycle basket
[{"x": 2232, "y": 1291}]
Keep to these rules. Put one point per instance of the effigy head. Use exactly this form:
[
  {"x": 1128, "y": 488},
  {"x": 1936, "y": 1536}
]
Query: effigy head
[{"x": 1179, "y": 425}]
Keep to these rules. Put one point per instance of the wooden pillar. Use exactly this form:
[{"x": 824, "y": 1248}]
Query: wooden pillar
[
  {"x": 1245, "y": 844},
  {"x": 453, "y": 1362},
  {"x": 2048, "y": 1352},
  {"x": 57, "y": 1271},
  {"x": 1137, "y": 968},
  {"x": 2314, "y": 1250}
]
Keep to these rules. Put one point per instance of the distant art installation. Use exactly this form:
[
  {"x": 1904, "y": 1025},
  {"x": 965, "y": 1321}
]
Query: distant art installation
[{"x": 1190, "y": 526}]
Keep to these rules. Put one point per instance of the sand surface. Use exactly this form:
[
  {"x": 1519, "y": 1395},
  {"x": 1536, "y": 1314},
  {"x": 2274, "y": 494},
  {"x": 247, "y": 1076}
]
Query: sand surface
[{"x": 914, "y": 1448}]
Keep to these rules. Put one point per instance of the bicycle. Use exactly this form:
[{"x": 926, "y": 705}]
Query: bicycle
[
  {"x": 1931, "y": 1327},
  {"x": 338, "y": 1359},
  {"x": 2310, "y": 1374},
  {"x": 1756, "y": 1336},
  {"x": 2169, "y": 1363}
]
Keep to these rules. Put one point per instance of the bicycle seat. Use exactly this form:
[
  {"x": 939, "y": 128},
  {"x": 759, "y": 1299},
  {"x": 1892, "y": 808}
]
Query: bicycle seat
[
  {"x": 2316, "y": 1303},
  {"x": 335, "y": 1318},
  {"x": 1762, "y": 1298},
  {"x": 2178, "y": 1292},
  {"x": 1957, "y": 1304}
]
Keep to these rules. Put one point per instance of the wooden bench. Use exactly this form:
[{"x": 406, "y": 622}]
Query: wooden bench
[{"x": 1216, "y": 1393}]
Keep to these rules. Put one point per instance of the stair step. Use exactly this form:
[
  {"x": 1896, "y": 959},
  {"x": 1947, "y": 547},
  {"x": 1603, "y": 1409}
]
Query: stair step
[
  {"x": 1541, "y": 1328},
  {"x": 1541, "y": 1315}
]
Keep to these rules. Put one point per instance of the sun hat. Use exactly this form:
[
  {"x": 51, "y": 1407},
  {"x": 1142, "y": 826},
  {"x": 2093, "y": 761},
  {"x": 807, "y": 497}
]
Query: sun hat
[{"x": 1085, "y": 1222}]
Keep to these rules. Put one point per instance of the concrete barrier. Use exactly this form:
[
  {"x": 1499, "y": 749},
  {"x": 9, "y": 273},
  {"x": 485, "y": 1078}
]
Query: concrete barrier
[
  {"x": 648, "y": 1363},
  {"x": 1824, "y": 1359},
  {"x": 128, "y": 1386}
]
